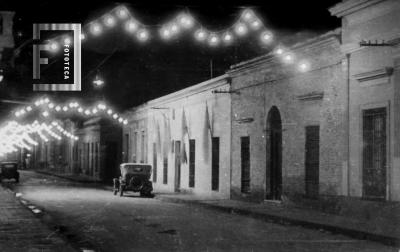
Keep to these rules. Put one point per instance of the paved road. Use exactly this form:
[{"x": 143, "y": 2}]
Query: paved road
[{"x": 94, "y": 218}]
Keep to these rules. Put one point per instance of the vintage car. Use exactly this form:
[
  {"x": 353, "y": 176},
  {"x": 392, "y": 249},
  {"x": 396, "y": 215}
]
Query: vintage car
[
  {"x": 134, "y": 177},
  {"x": 9, "y": 170}
]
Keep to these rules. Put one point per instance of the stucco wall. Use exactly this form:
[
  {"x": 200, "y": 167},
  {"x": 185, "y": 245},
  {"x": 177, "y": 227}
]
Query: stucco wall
[{"x": 269, "y": 84}]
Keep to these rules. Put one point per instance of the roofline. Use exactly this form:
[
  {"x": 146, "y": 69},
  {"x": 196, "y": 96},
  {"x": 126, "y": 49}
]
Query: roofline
[
  {"x": 200, "y": 87},
  {"x": 347, "y": 7},
  {"x": 269, "y": 57}
]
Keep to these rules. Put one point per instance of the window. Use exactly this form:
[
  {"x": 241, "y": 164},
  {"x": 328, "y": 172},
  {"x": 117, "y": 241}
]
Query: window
[
  {"x": 154, "y": 162},
  {"x": 165, "y": 170},
  {"x": 312, "y": 161},
  {"x": 192, "y": 161},
  {"x": 374, "y": 153},
  {"x": 215, "y": 164},
  {"x": 245, "y": 159}
]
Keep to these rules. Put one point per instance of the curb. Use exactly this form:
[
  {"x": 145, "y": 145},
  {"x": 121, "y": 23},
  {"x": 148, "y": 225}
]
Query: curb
[
  {"x": 362, "y": 235},
  {"x": 95, "y": 183}
]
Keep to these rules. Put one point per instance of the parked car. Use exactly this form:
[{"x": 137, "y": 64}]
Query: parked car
[
  {"x": 9, "y": 170},
  {"x": 134, "y": 177}
]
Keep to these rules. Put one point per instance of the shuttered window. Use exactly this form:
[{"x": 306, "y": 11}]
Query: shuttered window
[
  {"x": 192, "y": 158},
  {"x": 245, "y": 163}
]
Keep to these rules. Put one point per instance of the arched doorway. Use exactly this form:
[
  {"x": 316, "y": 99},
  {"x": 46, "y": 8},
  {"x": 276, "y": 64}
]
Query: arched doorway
[{"x": 274, "y": 155}]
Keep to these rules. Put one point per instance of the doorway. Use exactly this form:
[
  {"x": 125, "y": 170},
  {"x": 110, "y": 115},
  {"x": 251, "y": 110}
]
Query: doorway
[
  {"x": 374, "y": 154},
  {"x": 274, "y": 155}
]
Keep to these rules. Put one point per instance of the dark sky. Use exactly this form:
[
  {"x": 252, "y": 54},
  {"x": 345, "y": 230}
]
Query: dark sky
[{"x": 137, "y": 72}]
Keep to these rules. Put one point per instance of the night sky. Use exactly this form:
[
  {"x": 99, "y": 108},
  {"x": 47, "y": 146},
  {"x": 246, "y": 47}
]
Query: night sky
[{"x": 137, "y": 72}]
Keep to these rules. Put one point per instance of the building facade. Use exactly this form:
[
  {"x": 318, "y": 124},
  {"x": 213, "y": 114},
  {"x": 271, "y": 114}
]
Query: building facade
[
  {"x": 286, "y": 124},
  {"x": 370, "y": 42},
  {"x": 95, "y": 156},
  {"x": 185, "y": 136}
]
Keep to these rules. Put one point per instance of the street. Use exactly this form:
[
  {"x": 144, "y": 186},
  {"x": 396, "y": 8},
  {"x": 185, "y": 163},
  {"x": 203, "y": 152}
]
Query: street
[{"x": 93, "y": 218}]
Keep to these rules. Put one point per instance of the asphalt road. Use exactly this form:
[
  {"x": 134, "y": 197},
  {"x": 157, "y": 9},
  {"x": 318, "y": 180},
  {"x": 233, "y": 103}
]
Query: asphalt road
[{"x": 93, "y": 218}]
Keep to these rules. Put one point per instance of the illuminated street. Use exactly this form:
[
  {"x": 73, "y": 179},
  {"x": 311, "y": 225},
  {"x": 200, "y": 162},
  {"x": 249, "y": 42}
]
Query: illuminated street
[
  {"x": 209, "y": 126},
  {"x": 93, "y": 218}
]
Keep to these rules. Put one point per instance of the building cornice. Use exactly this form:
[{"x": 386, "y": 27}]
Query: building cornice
[
  {"x": 350, "y": 6},
  {"x": 329, "y": 38}
]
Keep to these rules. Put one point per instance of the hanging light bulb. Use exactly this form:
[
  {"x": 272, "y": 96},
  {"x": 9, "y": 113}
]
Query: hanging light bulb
[
  {"x": 58, "y": 108},
  {"x": 241, "y": 29},
  {"x": 109, "y": 21},
  {"x": 279, "y": 51},
  {"x": 131, "y": 26},
  {"x": 98, "y": 81},
  {"x": 29, "y": 108},
  {"x": 213, "y": 40},
  {"x": 122, "y": 12},
  {"x": 96, "y": 29},
  {"x": 143, "y": 35},
  {"x": 266, "y": 37},
  {"x": 82, "y": 36},
  {"x": 255, "y": 24},
  {"x": 248, "y": 14},
  {"x": 165, "y": 33},
  {"x": 201, "y": 35},
  {"x": 174, "y": 28},
  {"x": 65, "y": 108},
  {"x": 227, "y": 38},
  {"x": 54, "y": 46},
  {"x": 186, "y": 21},
  {"x": 288, "y": 58},
  {"x": 304, "y": 66}
]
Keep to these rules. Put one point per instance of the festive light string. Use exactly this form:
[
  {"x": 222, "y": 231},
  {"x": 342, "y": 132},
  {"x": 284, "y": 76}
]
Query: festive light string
[
  {"x": 247, "y": 22},
  {"x": 48, "y": 106},
  {"x": 14, "y": 135}
]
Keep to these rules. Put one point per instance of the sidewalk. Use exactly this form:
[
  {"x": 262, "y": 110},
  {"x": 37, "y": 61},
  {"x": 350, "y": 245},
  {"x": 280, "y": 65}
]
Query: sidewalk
[
  {"x": 387, "y": 232},
  {"x": 20, "y": 230}
]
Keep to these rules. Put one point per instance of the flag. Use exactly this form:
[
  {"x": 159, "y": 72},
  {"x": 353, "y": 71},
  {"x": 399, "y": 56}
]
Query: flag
[
  {"x": 158, "y": 139},
  {"x": 167, "y": 137},
  {"x": 185, "y": 131},
  {"x": 207, "y": 131}
]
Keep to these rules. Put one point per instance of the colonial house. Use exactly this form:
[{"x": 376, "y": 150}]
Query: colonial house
[
  {"x": 370, "y": 45},
  {"x": 185, "y": 136},
  {"x": 287, "y": 124}
]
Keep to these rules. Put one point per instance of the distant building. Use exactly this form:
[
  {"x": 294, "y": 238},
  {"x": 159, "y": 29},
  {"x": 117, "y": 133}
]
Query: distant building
[
  {"x": 96, "y": 155},
  {"x": 6, "y": 35}
]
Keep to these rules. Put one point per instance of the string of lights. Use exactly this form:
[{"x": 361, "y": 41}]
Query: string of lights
[
  {"x": 14, "y": 135},
  {"x": 47, "y": 107},
  {"x": 247, "y": 22}
]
